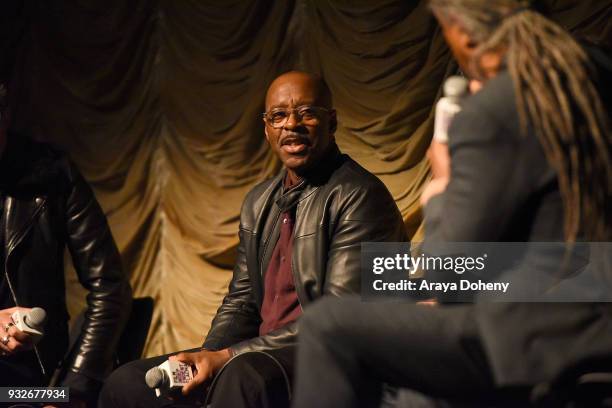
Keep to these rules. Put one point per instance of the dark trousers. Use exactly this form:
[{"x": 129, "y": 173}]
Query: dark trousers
[
  {"x": 253, "y": 379},
  {"x": 20, "y": 370},
  {"x": 348, "y": 349}
]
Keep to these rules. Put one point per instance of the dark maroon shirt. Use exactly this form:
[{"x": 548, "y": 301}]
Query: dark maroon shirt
[{"x": 280, "y": 302}]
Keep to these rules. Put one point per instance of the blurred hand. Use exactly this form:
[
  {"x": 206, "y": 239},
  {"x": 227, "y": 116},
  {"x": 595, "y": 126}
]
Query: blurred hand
[
  {"x": 439, "y": 160},
  {"x": 475, "y": 86},
  {"x": 16, "y": 340},
  {"x": 206, "y": 364},
  {"x": 433, "y": 188},
  {"x": 430, "y": 302}
]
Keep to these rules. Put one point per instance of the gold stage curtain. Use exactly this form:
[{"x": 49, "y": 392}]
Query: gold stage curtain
[{"x": 159, "y": 103}]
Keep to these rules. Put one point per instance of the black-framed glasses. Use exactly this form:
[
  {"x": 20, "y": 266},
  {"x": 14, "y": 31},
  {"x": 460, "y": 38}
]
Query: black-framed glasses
[{"x": 307, "y": 114}]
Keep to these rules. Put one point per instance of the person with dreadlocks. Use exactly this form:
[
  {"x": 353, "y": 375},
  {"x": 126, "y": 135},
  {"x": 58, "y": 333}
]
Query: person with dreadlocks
[{"x": 530, "y": 160}]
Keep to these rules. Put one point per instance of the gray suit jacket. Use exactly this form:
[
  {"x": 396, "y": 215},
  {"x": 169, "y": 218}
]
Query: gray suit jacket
[{"x": 503, "y": 189}]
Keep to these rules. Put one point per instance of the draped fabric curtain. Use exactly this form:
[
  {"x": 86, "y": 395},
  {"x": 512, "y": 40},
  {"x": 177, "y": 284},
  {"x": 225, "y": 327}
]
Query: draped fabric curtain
[{"x": 159, "y": 104}]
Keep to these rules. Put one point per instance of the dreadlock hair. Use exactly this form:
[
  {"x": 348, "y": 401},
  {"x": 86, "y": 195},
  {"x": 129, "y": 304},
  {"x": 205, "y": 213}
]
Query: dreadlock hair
[{"x": 555, "y": 95}]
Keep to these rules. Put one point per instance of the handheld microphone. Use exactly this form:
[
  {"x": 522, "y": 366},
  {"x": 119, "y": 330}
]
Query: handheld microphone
[
  {"x": 168, "y": 376},
  {"x": 455, "y": 88},
  {"x": 31, "y": 322}
]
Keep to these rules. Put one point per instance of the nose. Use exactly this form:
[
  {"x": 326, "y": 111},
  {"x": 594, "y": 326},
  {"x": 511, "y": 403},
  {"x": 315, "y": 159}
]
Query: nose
[{"x": 292, "y": 120}]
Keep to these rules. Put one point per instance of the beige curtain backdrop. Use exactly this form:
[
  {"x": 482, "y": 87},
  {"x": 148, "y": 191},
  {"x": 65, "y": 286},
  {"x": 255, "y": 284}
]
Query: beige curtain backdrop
[{"x": 159, "y": 102}]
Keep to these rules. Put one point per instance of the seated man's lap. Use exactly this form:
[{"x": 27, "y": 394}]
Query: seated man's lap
[
  {"x": 21, "y": 370},
  {"x": 265, "y": 376},
  {"x": 126, "y": 386}
]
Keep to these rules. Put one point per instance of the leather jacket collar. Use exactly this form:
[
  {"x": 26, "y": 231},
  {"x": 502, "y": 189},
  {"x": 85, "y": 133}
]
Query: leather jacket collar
[{"x": 26, "y": 177}]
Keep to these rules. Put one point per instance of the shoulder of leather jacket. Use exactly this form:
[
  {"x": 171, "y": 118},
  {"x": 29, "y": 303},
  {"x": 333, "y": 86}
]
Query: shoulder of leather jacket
[
  {"x": 347, "y": 175},
  {"x": 353, "y": 176}
]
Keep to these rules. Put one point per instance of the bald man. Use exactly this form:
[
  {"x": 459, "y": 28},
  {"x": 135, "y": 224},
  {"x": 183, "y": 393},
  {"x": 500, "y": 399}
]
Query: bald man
[{"x": 300, "y": 235}]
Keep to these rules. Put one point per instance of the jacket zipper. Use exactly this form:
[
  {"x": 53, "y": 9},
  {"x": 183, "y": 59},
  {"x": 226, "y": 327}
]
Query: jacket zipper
[
  {"x": 293, "y": 273},
  {"x": 11, "y": 247},
  {"x": 265, "y": 248}
]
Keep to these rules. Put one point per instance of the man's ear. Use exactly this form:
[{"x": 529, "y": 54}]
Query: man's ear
[
  {"x": 333, "y": 121},
  {"x": 490, "y": 63}
]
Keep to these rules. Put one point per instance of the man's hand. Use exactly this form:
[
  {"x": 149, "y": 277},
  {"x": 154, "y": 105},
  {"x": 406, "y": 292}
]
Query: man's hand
[
  {"x": 13, "y": 340},
  {"x": 434, "y": 187},
  {"x": 439, "y": 160},
  {"x": 475, "y": 86},
  {"x": 206, "y": 363}
]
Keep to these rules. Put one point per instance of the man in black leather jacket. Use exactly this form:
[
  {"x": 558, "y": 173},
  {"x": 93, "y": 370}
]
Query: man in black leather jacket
[
  {"x": 300, "y": 236},
  {"x": 46, "y": 205}
]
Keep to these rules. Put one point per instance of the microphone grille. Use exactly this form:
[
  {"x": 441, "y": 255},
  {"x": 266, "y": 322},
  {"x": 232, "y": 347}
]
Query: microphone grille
[
  {"x": 455, "y": 86},
  {"x": 36, "y": 318},
  {"x": 155, "y": 377}
]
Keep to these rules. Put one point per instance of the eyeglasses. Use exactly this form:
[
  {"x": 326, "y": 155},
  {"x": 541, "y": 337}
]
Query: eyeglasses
[{"x": 308, "y": 115}]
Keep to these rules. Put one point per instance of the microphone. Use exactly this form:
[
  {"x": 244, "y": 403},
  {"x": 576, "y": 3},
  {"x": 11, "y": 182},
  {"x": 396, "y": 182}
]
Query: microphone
[
  {"x": 31, "y": 322},
  {"x": 168, "y": 376},
  {"x": 455, "y": 89}
]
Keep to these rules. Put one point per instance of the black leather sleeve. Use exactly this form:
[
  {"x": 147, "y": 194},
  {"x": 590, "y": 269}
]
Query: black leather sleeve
[
  {"x": 285, "y": 336},
  {"x": 98, "y": 266},
  {"x": 238, "y": 317},
  {"x": 367, "y": 214}
]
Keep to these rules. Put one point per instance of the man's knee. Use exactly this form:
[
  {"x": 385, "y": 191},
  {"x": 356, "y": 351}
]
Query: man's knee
[
  {"x": 113, "y": 391},
  {"x": 124, "y": 386},
  {"x": 256, "y": 377},
  {"x": 246, "y": 370}
]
